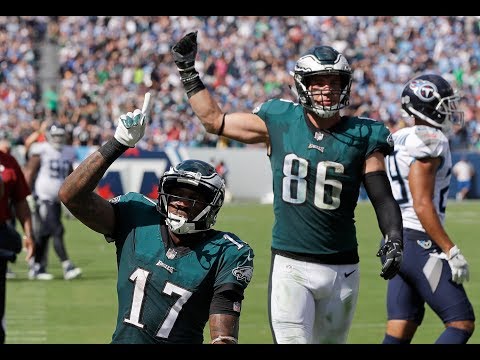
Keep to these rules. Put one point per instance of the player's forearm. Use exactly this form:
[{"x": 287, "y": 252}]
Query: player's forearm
[
  {"x": 433, "y": 227},
  {"x": 83, "y": 180},
  {"x": 23, "y": 214},
  {"x": 223, "y": 329},
  {"x": 207, "y": 110},
  {"x": 78, "y": 194},
  {"x": 388, "y": 212}
]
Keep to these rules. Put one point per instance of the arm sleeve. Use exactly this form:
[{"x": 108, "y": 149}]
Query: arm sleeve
[
  {"x": 227, "y": 299},
  {"x": 386, "y": 208}
]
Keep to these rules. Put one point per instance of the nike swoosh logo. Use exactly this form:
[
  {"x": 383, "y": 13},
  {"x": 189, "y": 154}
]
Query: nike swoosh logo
[
  {"x": 248, "y": 257},
  {"x": 350, "y": 273}
]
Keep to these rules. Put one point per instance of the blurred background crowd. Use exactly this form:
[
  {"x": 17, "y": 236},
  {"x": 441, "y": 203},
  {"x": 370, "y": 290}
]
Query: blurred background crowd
[{"x": 84, "y": 71}]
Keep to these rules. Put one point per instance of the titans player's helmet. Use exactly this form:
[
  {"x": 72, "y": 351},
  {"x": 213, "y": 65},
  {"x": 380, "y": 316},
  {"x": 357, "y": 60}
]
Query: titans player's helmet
[
  {"x": 56, "y": 135},
  {"x": 200, "y": 177},
  {"x": 431, "y": 98},
  {"x": 322, "y": 60}
]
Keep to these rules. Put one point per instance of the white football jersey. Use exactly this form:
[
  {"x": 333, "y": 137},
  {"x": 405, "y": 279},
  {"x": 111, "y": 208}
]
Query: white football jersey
[
  {"x": 413, "y": 143},
  {"x": 55, "y": 166}
]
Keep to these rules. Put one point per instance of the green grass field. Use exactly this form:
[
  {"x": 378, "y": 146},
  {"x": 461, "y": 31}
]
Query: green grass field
[{"x": 83, "y": 311}]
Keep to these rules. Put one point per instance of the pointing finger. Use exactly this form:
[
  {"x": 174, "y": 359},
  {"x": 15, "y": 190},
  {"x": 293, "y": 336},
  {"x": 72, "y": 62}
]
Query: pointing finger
[{"x": 146, "y": 103}]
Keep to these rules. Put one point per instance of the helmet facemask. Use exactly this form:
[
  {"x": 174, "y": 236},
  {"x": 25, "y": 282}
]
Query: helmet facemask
[
  {"x": 306, "y": 97},
  {"x": 322, "y": 60}
]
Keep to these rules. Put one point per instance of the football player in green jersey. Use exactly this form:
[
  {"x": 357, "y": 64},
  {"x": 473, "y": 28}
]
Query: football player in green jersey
[
  {"x": 175, "y": 273},
  {"x": 319, "y": 160}
]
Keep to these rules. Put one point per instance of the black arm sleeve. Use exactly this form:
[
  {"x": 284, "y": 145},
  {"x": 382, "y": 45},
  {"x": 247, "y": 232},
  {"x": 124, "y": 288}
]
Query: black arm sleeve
[
  {"x": 227, "y": 300},
  {"x": 388, "y": 212}
]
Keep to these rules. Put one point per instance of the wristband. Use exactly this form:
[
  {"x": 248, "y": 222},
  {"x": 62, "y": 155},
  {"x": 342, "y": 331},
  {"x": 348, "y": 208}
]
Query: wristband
[
  {"x": 191, "y": 82},
  {"x": 220, "y": 132},
  {"x": 223, "y": 337},
  {"x": 112, "y": 150}
]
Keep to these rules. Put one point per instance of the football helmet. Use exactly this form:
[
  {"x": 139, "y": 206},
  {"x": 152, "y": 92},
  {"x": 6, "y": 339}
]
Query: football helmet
[
  {"x": 197, "y": 175},
  {"x": 431, "y": 98},
  {"x": 323, "y": 60},
  {"x": 56, "y": 135}
]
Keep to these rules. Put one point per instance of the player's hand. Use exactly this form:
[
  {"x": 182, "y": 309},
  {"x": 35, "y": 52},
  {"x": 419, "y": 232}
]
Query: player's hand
[
  {"x": 392, "y": 251},
  {"x": 29, "y": 246},
  {"x": 458, "y": 264},
  {"x": 131, "y": 126},
  {"x": 185, "y": 51}
]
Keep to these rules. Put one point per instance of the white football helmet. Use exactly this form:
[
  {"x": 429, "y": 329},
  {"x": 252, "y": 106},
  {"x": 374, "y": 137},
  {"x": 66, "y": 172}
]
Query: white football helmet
[
  {"x": 57, "y": 135},
  {"x": 323, "y": 60}
]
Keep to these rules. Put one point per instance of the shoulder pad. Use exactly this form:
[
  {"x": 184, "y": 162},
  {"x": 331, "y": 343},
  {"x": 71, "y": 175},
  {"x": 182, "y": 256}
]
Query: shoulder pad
[{"x": 426, "y": 141}]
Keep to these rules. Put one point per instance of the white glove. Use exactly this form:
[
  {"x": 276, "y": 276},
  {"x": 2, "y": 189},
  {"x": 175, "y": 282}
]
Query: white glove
[
  {"x": 458, "y": 264},
  {"x": 131, "y": 126}
]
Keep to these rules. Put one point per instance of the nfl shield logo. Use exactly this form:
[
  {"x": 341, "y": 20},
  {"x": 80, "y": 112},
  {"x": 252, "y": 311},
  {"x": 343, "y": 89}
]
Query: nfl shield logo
[
  {"x": 318, "y": 136},
  {"x": 236, "y": 306},
  {"x": 171, "y": 253}
]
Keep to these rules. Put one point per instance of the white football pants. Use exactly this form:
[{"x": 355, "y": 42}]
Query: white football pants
[{"x": 312, "y": 303}]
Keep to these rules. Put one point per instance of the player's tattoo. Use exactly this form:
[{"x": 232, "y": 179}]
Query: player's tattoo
[{"x": 79, "y": 187}]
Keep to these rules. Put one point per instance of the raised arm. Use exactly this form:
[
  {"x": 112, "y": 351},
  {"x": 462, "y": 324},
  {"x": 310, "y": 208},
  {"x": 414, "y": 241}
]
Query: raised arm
[
  {"x": 244, "y": 127},
  {"x": 78, "y": 190}
]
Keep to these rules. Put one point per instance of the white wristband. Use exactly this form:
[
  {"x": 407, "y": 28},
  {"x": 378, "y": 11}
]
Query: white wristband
[{"x": 223, "y": 337}]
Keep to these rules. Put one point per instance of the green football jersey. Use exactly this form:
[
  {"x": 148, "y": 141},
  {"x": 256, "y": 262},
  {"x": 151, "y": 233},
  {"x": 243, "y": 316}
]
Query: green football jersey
[
  {"x": 317, "y": 177},
  {"x": 164, "y": 292}
]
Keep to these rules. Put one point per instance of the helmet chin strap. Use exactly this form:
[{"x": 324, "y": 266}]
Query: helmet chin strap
[{"x": 178, "y": 224}]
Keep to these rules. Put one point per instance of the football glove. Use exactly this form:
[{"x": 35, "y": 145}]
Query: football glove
[
  {"x": 184, "y": 53},
  {"x": 458, "y": 264},
  {"x": 131, "y": 126},
  {"x": 392, "y": 253}
]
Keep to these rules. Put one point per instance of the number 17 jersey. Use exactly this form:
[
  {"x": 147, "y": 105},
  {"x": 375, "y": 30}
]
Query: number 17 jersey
[{"x": 165, "y": 292}]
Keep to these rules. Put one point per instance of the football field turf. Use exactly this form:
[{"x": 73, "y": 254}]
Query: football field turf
[{"x": 83, "y": 311}]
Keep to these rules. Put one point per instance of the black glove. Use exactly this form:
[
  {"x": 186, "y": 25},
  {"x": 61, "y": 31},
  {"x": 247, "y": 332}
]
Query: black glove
[
  {"x": 392, "y": 256},
  {"x": 184, "y": 53}
]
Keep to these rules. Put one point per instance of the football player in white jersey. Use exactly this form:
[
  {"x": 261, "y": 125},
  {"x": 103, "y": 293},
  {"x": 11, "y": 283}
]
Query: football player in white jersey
[
  {"x": 433, "y": 269},
  {"x": 50, "y": 162}
]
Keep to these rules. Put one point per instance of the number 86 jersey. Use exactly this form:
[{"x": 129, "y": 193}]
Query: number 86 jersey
[{"x": 316, "y": 179}]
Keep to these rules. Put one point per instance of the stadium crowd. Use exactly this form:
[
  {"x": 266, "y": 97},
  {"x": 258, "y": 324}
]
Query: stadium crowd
[{"x": 106, "y": 63}]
